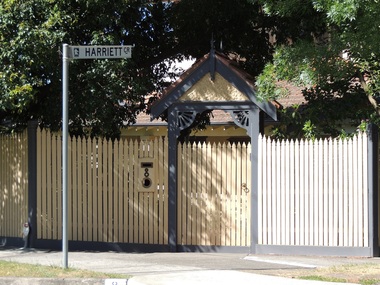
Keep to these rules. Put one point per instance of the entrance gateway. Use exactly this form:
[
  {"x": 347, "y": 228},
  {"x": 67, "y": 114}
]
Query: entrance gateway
[{"x": 211, "y": 83}]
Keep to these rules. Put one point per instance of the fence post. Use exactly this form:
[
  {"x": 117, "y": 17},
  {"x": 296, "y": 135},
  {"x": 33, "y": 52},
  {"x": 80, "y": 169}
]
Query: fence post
[
  {"x": 254, "y": 133},
  {"x": 32, "y": 182},
  {"x": 373, "y": 133},
  {"x": 173, "y": 133}
]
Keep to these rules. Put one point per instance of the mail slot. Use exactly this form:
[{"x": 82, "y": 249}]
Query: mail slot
[
  {"x": 147, "y": 164},
  {"x": 147, "y": 174}
]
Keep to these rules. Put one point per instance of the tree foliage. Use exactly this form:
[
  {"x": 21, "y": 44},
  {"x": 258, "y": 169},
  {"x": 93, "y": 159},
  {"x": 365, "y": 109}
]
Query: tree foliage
[
  {"x": 104, "y": 94},
  {"x": 338, "y": 68},
  {"x": 328, "y": 46},
  {"x": 238, "y": 28},
  {"x": 107, "y": 94}
]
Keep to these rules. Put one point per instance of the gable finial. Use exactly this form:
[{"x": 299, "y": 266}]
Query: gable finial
[
  {"x": 212, "y": 58},
  {"x": 212, "y": 42}
]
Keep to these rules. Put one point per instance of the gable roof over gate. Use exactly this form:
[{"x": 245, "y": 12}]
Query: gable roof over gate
[
  {"x": 214, "y": 82},
  {"x": 212, "y": 79}
]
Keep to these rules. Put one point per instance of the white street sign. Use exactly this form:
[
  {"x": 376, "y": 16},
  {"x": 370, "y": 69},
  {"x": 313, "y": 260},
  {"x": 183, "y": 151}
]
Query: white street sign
[{"x": 94, "y": 52}]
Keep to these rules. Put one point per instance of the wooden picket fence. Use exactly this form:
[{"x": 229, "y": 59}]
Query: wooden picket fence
[
  {"x": 107, "y": 206},
  {"x": 313, "y": 193},
  {"x": 13, "y": 184},
  {"x": 104, "y": 201},
  {"x": 214, "y": 194}
]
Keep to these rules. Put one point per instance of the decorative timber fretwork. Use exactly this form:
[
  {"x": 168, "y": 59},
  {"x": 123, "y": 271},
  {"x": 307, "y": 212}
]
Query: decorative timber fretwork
[
  {"x": 185, "y": 119},
  {"x": 241, "y": 118}
]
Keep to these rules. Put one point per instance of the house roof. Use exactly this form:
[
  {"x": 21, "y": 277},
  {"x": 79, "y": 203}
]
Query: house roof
[
  {"x": 237, "y": 86},
  {"x": 295, "y": 96}
]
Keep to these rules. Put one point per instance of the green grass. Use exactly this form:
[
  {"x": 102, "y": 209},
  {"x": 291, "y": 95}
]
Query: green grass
[
  {"x": 360, "y": 273},
  {"x": 323, "y": 278},
  {"x": 14, "y": 269},
  {"x": 369, "y": 281},
  {"x": 364, "y": 281}
]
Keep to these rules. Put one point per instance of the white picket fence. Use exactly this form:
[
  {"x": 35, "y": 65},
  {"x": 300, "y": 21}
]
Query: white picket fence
[{"x": 313, "y": 193}]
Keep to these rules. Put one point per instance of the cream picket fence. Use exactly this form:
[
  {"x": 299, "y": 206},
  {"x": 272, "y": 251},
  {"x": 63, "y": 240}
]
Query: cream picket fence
[
  {"x": 13, "y": 184},
  {"x": 313, "y": 193},
  {"x": 310, "y": 193},
  {"x": 214, "y": 194},
  {"x": 105, "y": 203}
]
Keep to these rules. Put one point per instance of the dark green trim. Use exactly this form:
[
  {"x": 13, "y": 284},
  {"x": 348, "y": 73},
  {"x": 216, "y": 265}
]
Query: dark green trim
[
  {"x": 171, "y": 97},
  {"x": 254, "y": 117},
  {"x": 32, "y": 182},
  {"x": 246, "y": 89},
  {"x": 11, "y": 242},
  {"x": 373, "y": 160},
  {"x": 217, "y": 249},
  {"x": 173, "y": 133}
]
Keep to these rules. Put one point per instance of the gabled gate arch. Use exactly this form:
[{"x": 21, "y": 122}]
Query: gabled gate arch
[{"x": 214, "y": 82}]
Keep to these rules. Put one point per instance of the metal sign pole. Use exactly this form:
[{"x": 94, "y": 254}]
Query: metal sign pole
[
  {"x": 77, "y": 52},
  {"x": 65, "y": 133}
]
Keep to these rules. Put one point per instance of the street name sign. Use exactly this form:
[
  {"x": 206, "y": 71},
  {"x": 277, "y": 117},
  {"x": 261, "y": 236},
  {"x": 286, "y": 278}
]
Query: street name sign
[{"x": 100, "y": 52}]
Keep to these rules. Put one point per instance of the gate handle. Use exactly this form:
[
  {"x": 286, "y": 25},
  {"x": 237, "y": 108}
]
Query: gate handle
[{"x": 244, "y": 187}]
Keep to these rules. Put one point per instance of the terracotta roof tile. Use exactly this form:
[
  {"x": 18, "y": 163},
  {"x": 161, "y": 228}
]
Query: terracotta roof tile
[{"x": 295, "y": 96}]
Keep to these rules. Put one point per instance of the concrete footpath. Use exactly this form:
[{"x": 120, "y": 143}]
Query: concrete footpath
[{"x": 175, "y": 268}]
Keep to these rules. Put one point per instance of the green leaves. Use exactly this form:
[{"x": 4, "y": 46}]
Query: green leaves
[
  {"x": 104, "y": 94},
  {"x": 267, "y": 84},
  {"x": 237, "y": 27},
  {"x": 330, "y": 47},
  {"x": 24, "y": 47},
  {"x": 339, "y": 11},
  {"x": 337, "y": 68}
]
